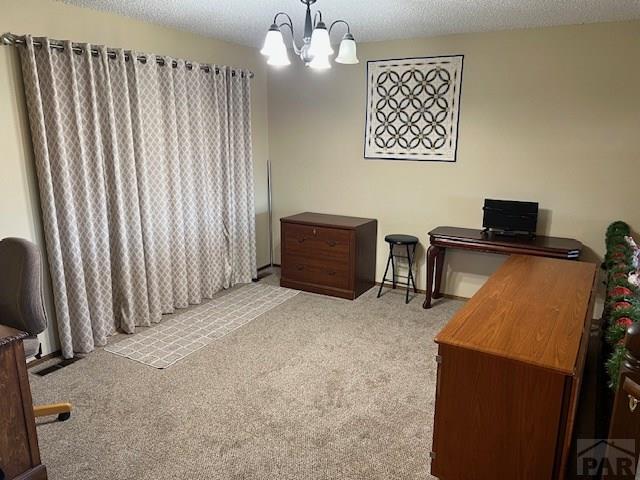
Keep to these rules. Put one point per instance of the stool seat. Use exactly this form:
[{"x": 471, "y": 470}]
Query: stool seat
[{"x": 398, "y": 239}]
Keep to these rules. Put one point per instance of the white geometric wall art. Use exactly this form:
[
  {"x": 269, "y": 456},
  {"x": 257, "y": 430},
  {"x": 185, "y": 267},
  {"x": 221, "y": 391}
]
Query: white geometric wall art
[{"x": 413, "y": 106}]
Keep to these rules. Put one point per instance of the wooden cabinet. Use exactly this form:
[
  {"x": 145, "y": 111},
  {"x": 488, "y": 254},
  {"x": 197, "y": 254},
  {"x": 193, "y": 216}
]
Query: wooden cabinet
[
  {"x": 329, "y": 254},
  {"x": 19, "y": 454},
  {"x": 509, "y": 371}
]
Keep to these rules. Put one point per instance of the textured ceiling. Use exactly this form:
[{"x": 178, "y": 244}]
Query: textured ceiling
[{"x": 246, "y": 21}]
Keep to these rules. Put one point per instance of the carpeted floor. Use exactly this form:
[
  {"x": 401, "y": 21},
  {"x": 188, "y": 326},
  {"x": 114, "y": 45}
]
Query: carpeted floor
[{"x": 317, "y": 388}]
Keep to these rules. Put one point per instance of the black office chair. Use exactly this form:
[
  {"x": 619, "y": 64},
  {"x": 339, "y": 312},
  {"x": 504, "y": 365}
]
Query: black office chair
[{"x": 21, "y": 303}]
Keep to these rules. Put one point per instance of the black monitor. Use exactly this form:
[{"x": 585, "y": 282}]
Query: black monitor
[{"x": 509, "y": 217}]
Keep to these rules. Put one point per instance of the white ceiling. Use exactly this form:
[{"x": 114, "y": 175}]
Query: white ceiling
[{"x": 246, "y": 21}]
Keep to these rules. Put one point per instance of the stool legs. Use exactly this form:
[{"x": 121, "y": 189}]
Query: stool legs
[
  {"x": 384, "y": 277},
  {"x": 411, "y": 253},
  {"x": 410, "y": 279},
  {"x": 393, "y": 268}
]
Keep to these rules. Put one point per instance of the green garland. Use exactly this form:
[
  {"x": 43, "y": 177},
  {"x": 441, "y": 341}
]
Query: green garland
[
  {"x": 619, "y": 253},
  {"x": 618, "y": 228},
  {"x": 614, "y": 363},
  {"x": 618, "y": 316},
  {"x": 616, "y": 331}
]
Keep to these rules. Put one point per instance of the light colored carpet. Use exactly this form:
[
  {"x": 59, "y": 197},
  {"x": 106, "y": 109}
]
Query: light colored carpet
[
  {"x": 187, "y": 331},
  {"x": 316, "y": 388}
]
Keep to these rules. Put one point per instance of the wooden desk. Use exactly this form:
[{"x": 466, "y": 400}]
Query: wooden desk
[
  {"x": 19, "y": 454},
  {"x": 510, "y": 365},
  {"x": 472, "y": 239}
]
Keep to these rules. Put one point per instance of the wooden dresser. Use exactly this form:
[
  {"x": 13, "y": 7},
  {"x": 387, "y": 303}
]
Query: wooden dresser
[
  {"x": 328, "y": 254},
  {"x": 509, "y": 371},
  {"x": 19, "y": 454}
]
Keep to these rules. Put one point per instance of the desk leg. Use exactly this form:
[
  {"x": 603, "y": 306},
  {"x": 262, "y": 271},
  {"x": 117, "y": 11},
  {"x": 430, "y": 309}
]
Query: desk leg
[
  {"x": 437, "y": 290},
  {"x": 432, "y": 253}
]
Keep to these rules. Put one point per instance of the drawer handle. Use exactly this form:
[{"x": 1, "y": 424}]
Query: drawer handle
[
  {"x": 331, "y": 272},
  {"x": 632, "y": 389},
  {"x": 300, "y": 267},
  {"x": 314, "y": 232},
  {"x": 301, "y": 240},
  {"x": 332, "y": 243}
]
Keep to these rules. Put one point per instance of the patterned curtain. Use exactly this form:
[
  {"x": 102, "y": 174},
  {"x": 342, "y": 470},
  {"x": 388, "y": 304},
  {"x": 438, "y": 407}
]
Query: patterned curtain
[{"x": 146, "y": 185}]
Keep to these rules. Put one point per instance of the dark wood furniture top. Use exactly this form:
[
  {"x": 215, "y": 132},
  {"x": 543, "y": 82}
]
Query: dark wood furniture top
[
  {"x": 328, "y": 254},
  {"x": 327, "y": 220},
  {"x": 10, "y": 335},
  {"x": 531, "y": 310},
  {"x": 442, "y": 238},
  {"x": 474, "y": 239},
  {"x": 510, "y": 367},
  {"x": 19, "y": 453}
]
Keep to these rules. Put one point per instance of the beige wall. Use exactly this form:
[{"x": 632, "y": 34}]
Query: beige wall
[
  {"x": 549, "y": 115},
  {"x": 19, "y": 214}
]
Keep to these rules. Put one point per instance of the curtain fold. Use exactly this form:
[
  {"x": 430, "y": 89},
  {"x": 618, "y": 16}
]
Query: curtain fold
[{"x": 146, "y": 185}]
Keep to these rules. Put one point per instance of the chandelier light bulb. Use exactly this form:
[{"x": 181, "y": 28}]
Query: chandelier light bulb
[
  {"x": 320, "y": 62},
  {"x": 279, "y": 59},
  {"x": 273, "y": 42},
  {"x": 347, "y": 53},
  {"x": 320, "y": 43}
]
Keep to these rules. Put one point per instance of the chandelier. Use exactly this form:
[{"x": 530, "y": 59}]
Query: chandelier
[{"x": 316, "y": 44}]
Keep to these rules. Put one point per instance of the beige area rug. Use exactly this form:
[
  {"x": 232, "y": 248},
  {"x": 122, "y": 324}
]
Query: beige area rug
[
  {"x": 316, "y": 388},
  {"x": 181, "y": 334}
]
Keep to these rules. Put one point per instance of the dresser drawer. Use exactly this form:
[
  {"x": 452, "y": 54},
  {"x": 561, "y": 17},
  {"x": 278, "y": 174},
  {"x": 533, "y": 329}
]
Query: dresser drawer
[
  {"x": 309, "y": 270},
  {"x": 317, "y": 242}
]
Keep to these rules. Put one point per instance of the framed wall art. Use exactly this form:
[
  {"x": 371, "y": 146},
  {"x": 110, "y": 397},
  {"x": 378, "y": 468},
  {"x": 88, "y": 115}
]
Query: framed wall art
[{"x": 413, "y": 107}]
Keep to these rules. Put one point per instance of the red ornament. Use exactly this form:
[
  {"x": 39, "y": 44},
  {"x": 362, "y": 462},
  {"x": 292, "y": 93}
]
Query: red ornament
[
  {"x": 625, "y": 322},
  {"x": 621, "y": 305},
  {"x": 620, "y": 292},
  {"x": 617, "y": 256}
]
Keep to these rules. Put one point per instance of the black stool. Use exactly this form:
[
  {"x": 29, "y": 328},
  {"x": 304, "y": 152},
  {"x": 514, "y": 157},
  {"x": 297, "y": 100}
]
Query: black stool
[{"x": 400, "y": 240}]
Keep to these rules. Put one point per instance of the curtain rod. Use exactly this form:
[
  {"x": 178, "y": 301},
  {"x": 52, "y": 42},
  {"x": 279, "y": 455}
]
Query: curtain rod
[{"x": 12, "y": 40}]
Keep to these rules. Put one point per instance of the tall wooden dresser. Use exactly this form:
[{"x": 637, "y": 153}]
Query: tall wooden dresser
[
  {"x": 509, "y": 371},
  {"x": 329, "y": 254},
  {"x": 19, "y": 453}
]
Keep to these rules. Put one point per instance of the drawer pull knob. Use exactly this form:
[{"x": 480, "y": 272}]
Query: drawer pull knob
[
  {"x": 300, "y": 267},
  {"x": 633, "y": 403},
  {"x": 301, "y": 240},
  {"x": 314, "y": 232},
  {"x": 331, "y": 272},
  {"x": 331, "y": 243}
]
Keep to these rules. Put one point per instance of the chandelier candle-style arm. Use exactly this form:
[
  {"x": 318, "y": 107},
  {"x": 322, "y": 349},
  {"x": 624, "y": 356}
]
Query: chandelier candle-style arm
[{"x": 316, "y": 44}]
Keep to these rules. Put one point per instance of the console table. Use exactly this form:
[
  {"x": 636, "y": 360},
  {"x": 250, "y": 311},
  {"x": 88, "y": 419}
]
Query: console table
[{"x": 442, "y": 238}]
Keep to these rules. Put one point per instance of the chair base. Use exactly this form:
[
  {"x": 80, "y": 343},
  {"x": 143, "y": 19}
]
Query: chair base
[{"x": 63, "y": 410}]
